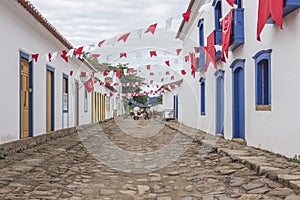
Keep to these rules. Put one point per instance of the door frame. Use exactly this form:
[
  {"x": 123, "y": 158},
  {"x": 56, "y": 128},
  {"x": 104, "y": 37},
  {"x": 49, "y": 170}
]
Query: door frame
[
  {"x": 219, "y": 74},
  {"x": 26, "y": 56},
  {"x": 238, "y": 119},
  {"x": 65, "y": 76},
  {"x": 175, "y": 102},
  {"x": 51, "y": 69},
  {"x": 77, "y": 101}
]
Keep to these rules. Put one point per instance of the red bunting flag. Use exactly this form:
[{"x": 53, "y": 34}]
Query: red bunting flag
[
  {"x": 116, "y": 84},
  {"x": 186, "y": 16},
  {"x": 105, "y": 94},
  {"x": 186, "y": 58},
  {"x": 153, "y": 53},
  {"x": 124, "y": 37},
  {"x": 101, "y": 83},
  {"x": 78, "y": 51},
  {"x": 148, "y": 67},
  {"x": 89, "y": 85},
  {"x": 95, "y": 81},
  {"x": 162, "y": 79},
  {"x": 196, "y": 49},
  {"x": 111, "y": 94},
  {"x": 71, "y": 72},
  {"x": 100, "y": 43},
  {"x": 167, "y": 63},
  {"x": 64, "y": 55},
  {"x": 82, "y": 74},
  {"x": 105, "y": 73},
  {"x": 172, "y": 77},
  {"x": 178, "y": 51},
  {"x": 167, "y": 73},
  {"x": 95, "y": 55},
  {"x": 183, "y": 72},
  {"x": 226, "y": 31},
  {"x": 210, "y": 51},
  {"x": 267, "y": 8},
  {"x": 151, "y": 81},
  {"x": 193, "y": 64},
  {"x": 118, "y": 73},
  {"x": 151, "y": 28},
  {"x": 49, "y": 57},
  {"x": 107, "y": 84},
  {"x": 151, "y": 74},
  {"x": 172, "y": 87},
  {"x": 231, "y": 2},
  {"x": 131, "y": 70},
  {"x": 35, "y": 57},
  {"x": 123, "y": 55}
]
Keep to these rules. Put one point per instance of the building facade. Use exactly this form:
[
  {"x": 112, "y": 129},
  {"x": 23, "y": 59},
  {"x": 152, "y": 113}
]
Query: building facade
[
  {"x": 254, "y": 95},
  {"x": 44, "y": 95}
]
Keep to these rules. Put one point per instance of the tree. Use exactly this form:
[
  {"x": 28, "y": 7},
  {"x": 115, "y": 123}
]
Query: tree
[{"x": 160, "y": 99}]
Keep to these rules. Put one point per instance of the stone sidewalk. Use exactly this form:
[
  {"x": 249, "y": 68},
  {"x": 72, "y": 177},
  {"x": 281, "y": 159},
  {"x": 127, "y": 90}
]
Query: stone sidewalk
[{"x": 125, "y": 159}]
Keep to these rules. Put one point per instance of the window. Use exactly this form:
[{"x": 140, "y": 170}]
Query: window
[
  {"x": 202, "y": 97},
  {"x": 218, "y": 24},
  {"x": 289, "y": 7},
  {"x": 85, "y": 101},
  {"x": 201, "y": 61},
  {"x": 65, "y": 93},
  {"x": 263, "y": 80},
  {"x": 237, "y": 33}
]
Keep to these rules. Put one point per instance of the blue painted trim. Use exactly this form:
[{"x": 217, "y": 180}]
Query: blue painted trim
[
  {"x": 202, "y": 96},
  {"x": 289, "y": 7},
  {"x": 31, "y": 131},
  {"x": 219, "y": 74},
  {"x": 259, "y": 57},
  {"x": 238, "y": 98},
  {"x": 201, "y": 32},
  {"x": 52, "y": 70},
  {"x": 218, "y": 37},
  {"x": 175, "y": 105},
  {"x": 239, "y": 3},
  {"x": 217, "y": 4},
  {"x": 238, "y": 36}
]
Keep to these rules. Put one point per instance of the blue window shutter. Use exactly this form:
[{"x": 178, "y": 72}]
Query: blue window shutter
[
  {"x": 203, "y": 98},
  {"x": 259, "y": 85}
]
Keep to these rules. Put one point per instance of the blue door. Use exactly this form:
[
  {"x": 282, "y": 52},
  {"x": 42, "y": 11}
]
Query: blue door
[
  {"x": 175, "y": 105},
  {"x": 238, "y": 99},
  {"x": 219, "y": 102}
]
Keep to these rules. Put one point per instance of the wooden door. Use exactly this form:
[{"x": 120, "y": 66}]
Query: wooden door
[
  {"x": 50, "y": 97},
  {"x": 25, "y": 106}
]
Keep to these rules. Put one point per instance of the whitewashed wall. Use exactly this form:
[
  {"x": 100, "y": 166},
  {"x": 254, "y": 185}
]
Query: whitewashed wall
[
  {"x": 275, "y": 130},
  {"x": 23, "y": 33}
]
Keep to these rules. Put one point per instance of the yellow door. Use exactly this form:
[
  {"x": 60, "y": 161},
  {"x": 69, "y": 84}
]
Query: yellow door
[
  {"x": 49, "y": 101},
  {"x": 24, "y": 98}
]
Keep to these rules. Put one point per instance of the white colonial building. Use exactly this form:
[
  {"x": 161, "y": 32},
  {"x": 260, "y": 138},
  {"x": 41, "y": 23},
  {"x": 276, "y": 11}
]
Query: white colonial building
[
  {"x": 254, "y": 95},
  {"x": 44, "y": 95}
]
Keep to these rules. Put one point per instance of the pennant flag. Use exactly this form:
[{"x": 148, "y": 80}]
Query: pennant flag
[
  {"x": 178, "y": 51},
  {"x": 226, "y": 31},
  {"x": 118, "y": 73},
  {"x": 53, "y": 57},
  {"x": 151, "y": 81},
  {"x": 64, "y": 55},
  {"x": 167, "y": 73},
  {"x": 167, "y": 63},
  {"x": 95, "y": 81},
  {"x": 78, "y": 51},
  {"x": 35, "y": 57},
  {"x": 105, "y": 94},
  {"x": 148, "y": 67},
  {"x": 112, "y": 41},
  {"x": 172, "y": 78},
  {"x": 100, "y": 43},
  {"x": 196, "y": 49},
  {"x": 131, "y": 70},
  {"x": 105, "y": 73},
  {"x": 193, "y": 64},
  {"x": 70, "y": 53},
  {"x": 124, "y": 37},
  {"x": 123, "y": 55},
  {"x": 169, "y": 23},
  {"x": 210, "y": 51},
  {"x": 151, "y": 28},
  {"x": 96, "y": 55},
  {"x": 153, "y": 53},
  {"x": 82, "y": 74},
  {"x": 186, "y": 58},
  {"x": 151, "y": 74},
  {"x": 71, "y": 72},
  {"x": 140, "y": 33},
  {"x": 162, "y": 79},
  {"x": 183, "y": 72},
  {"x": 49, "y": 57},
  {"x": 101, "y": 83},
  {"x": 107, "y": 84},
  {"x": 111, "y": 94},
  {"x": 186, "y": 16},
  {"x": 110, "y": 74},
  {"x": 172, "y": 87},
  {"x": 89, "y": 85},
  {"x": 123, "y": 84},
  {"x": 267, "y": 8},
  {"x": 231, "y": 2}
]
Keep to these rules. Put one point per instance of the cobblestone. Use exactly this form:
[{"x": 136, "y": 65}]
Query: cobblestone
[{"x": 148, "y": 167}]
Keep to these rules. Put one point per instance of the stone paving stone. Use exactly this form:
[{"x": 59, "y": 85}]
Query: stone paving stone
[{"x": 68, "y": 168}]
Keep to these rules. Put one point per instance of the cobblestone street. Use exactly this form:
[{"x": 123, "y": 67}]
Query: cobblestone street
[{"x": 125, "y": 159}]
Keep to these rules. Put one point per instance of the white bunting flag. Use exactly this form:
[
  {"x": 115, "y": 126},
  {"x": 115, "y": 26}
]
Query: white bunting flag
[
  {"x": 169, "y": 23},
  {"x": 140, "y": 32},
  {"x": 70, "y": 53}
]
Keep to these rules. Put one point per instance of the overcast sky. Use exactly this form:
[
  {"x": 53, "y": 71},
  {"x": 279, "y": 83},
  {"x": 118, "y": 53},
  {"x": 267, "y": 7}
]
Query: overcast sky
[{"x": 85, "y": 22}]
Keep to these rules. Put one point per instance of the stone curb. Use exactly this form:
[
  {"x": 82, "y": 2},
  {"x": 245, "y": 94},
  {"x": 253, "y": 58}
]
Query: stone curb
[
  {"x": 21, "y": 145},
  {"x": 261, "y": 164}
]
